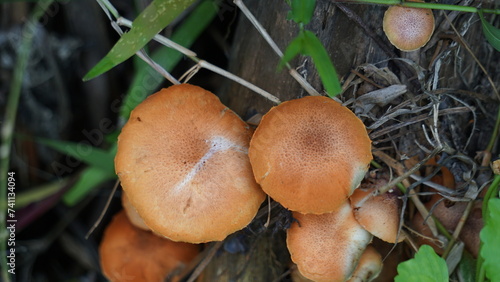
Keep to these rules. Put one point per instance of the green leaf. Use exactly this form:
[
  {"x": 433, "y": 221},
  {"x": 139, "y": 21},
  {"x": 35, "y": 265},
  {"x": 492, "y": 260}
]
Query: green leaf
[
  {"x": 425, "y": 266},
  {"x": 467, "y": 267},
  {"x": 293, "y": 49},
  {"x": 146, "y": 79},
  {"x": 491, "y": 33},
  {"x": 90, "y": 178},
  {"x": 302, "y": 11},
  {"x": 150, "y": 22},
  {"x": 326, "y": 70},
  {"x": 491, "y": 240},
  {"x": 84, "y": 152},
  {"x": 39, "y": 193}
]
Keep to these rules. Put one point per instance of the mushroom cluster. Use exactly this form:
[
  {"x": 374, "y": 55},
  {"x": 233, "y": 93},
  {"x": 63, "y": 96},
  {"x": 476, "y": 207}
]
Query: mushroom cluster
[
  {"x": 310, "y": 155},
  {"x": 191, "y": 169},
  {"x": 183, "y": 163}
]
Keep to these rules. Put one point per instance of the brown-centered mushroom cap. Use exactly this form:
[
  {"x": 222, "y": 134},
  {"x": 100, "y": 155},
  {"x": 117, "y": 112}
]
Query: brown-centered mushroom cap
[
  {"x": 379, "y": 214},
  {"x": 309, "y": 154},
  {"x": 128, "y": 253},
  {"x": 408, "y": 28},
  {"x": 183, "y": 161},
  {"x": 327, "y": 247}
]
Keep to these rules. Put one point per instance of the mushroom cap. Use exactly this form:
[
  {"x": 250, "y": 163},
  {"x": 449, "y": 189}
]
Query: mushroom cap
[
  {"x": 183, "y": 161},
  {"x": 309, "y": 154},
  {"x": 132, "y": 214},
  {"x": 128, "y": 253},
  {"x": 369, "y": 266},
  {"x": 408, "y": 28},
  {"x": 449, "y": 216},
  {"x": 327, "y": 247},
  {"x": 378, "y": 214}
]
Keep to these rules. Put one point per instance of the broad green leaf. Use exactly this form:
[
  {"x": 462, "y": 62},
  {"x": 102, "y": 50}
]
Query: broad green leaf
[
  {"x": 146, "y": 79},
  {"x": 90, "y": 178},
  {"x": 490, "y": 238},
  {"x": 149, "y": 23},
  {"x": 426, "y": 266},
  {"x": 293, "y": 49},
  {"x": 326, "y": 70},
  {"x": 302, "y": 11},
  {"x": 84, "y": 152},
  {"x": 491, "y": 33}
]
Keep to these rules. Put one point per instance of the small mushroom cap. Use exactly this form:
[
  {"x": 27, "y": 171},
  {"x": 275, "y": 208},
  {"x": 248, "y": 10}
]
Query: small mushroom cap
[
  {"x": 327, "y": 247},
  {"x": 379, "y": 214},
  {"x": 408, "y": 28},
  {"x": 132, "y": 214},
  {"x": 128, "y": 253},
  {"x": 449, "y": 215},
  {"x": 183, "y": 161},
  {"x": 309, "y": 154},
  {"x": 369, "y": 266}
]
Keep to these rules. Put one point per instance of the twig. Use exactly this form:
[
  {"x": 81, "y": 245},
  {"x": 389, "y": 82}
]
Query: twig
[
  {"x": 103, "y": 212},
  {"x": 206, "y": 260},
  {"x": 142, "y": 54},
  {"x": 216, "y": 69},
  {"x": 458, "y": 229}
]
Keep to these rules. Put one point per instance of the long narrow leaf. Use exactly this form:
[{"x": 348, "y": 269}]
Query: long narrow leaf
[
  {"x": 293, "y": 49},
  {"x": 149, "y": 22},
  {"x": 90, "y": 178},
  {"x": 491, "y": 33},
  {"x": 326, "y": 70},
  {"x": 146, "y": 79},
  {"x": 84, "y": 152},
  {"x": 302, "y": 11}
]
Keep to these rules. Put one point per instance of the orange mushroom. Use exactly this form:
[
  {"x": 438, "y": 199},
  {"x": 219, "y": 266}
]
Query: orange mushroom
[
  {"x": 183, "y": 161},
  {"x": 379, "y": 215},
  {"x": 128, "y": 253},
  {"x": 310, "y": 154},
  {"x": 369, "y": 266},
  {"x": 327, "y": 247},
  {"x": 408, "y": 29}
]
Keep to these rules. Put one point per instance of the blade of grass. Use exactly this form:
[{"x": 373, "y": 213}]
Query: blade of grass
[
  {"x": 150, "y": 22},
  {"x": 38, "y": 193},
  {"x": 302, "y": 11},
  {"x": 293, "y": 49},
  {"x": 323, "y": 63},
  {"x": 103, "y": 159},
  {"x": 491, "y": 33},
  {"x": 90, "y": 178},
  {"x": 7, "y": 129}
]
